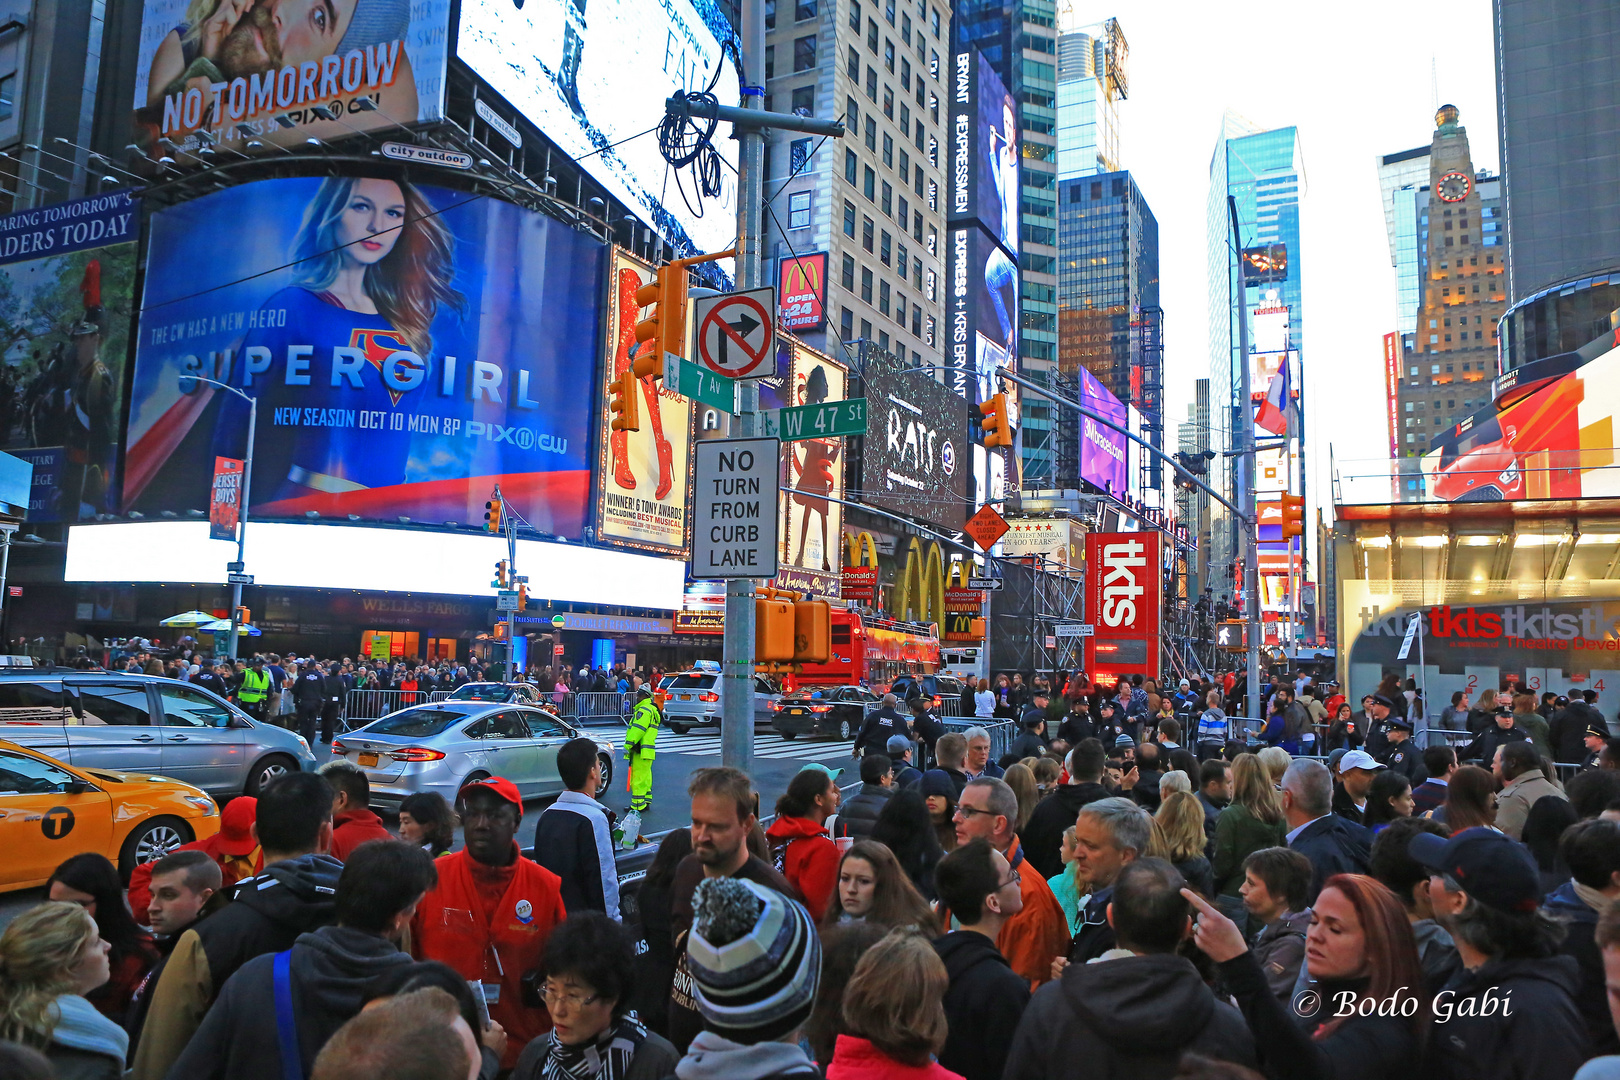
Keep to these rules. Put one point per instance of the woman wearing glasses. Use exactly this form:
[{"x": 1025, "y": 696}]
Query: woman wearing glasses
[{"x": 595, "y": 1035}]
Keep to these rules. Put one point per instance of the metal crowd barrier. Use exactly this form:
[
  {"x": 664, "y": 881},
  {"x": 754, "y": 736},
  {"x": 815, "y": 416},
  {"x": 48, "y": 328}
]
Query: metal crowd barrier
[
  {"x": 1001, "y": 732},
  {"x": 599, "y": 709},
  {"x": 363, "y": 706}
]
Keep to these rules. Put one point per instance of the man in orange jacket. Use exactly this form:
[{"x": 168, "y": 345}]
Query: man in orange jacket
[
  {"x": 1039, "y": 933},
  {"x": 233, "y": 848},
  {"x": 492, "y": 912},
  {"x": 353, "y": 820}
]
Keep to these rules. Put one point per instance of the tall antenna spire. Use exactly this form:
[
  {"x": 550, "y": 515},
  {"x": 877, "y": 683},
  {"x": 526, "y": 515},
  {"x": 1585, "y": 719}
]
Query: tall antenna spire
[{"x": 1434, "y": 83}]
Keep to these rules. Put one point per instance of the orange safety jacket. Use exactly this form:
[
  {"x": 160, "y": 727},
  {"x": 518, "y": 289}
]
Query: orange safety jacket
[{"x": 498, "y": 949}]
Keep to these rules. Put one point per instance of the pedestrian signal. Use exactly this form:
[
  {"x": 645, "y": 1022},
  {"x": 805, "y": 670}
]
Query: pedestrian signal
[
  {"x": 812, "y": 631},
  {"x": 774, "y": 629}
]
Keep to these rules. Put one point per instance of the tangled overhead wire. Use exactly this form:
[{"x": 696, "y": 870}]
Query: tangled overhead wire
[{"x": 687, "y": 139}]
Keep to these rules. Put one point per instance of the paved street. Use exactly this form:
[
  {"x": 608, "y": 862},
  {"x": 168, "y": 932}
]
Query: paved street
[{"x": 775, "y": 761}]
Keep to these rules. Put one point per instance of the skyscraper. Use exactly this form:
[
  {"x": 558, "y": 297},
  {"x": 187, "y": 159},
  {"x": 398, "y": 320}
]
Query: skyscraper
[
  {"x": 1091, "y": 82},
  {"x": 1264, "y": 172},
  {"x": 1400, "y": 177},
  {"x": 1558, "y": 96},
  {"x": 1450, "y": 356},
  {"x": 1019, "y": 39}
]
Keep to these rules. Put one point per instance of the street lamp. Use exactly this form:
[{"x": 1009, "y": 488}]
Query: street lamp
[{"x": 242, "y": 513}]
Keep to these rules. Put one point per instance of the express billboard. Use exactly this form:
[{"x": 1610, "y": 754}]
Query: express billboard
[
  {"x": 642, "y": 477},
  {"x": 983, "y": 311},
  {"x": 983, "y": 139},
  {"x": 408, "y": 347},
  {"x": 67, "y": 290},
  {"x": 1102, "y": 449},
  {"x": 913, "y": 460},
  {"x": 246, "y": 75},
  {"x": 588, "y": 79}
]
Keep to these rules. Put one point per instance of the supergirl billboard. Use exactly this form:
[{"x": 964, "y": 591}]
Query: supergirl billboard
[
  {"x": 408, "y": 348},
  {"x": 1544, "y": 438}
]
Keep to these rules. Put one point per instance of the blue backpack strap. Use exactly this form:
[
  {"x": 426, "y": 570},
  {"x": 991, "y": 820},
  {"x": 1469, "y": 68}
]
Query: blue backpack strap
[{"x": 292, "y": 1062}]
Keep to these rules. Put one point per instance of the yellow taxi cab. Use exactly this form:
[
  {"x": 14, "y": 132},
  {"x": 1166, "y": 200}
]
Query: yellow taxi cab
[{"x": 50, "y": 811}]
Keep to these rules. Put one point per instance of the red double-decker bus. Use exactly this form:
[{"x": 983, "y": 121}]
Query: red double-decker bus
[{"x": 873, "y": 651}]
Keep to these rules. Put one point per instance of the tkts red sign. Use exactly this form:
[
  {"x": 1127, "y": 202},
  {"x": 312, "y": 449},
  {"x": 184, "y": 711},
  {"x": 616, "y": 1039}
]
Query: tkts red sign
[{"x": 1122, "y": 602}]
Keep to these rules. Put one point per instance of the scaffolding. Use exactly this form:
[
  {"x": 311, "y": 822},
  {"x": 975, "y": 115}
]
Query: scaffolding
[{"x": 1147, "y": 363}]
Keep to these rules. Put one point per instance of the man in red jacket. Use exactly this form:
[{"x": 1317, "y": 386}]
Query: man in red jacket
[
  {"x": 233, "y": 848},
  {"x": 353, "y": 820},
  {"x": 492, "y": 912}
]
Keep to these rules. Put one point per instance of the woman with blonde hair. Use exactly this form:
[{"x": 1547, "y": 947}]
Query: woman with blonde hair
[
  {"x": 894, "y": 1011},
  {"x": 1021, "y": 779},
  {"x": 1179, "y": 826},
  {"x": 50, "y": 957},
  {"x": 1251, "y": 821},
  {"x": 1276, "y": 760}
]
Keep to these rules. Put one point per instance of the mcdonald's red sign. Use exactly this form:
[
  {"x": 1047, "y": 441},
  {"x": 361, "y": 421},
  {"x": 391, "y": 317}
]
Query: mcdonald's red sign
[{"x": 801, "y": 291}]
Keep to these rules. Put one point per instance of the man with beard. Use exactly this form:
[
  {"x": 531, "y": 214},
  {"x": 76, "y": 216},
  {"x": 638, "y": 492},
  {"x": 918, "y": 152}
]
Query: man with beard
[{"x": 222, "y": 40}]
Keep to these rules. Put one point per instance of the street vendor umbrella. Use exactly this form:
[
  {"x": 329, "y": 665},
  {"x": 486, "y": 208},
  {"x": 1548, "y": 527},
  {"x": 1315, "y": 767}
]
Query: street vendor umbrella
[
  {"x": 223, "y": 626},
  {"x": 190, "y": 618}
]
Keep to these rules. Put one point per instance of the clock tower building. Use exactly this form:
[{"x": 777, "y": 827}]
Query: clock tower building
[{"x": 1449, "y": 361}]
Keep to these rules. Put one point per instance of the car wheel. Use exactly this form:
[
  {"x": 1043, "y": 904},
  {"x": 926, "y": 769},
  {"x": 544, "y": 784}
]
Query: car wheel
[
  {"x": 151, "y": 840},
  {"x": 790, "y": 735},
  {"x": 606, "y": 761},
  {"x": 844, "y": 731},
  {"x": 679, "y": 729},
  {"x": 267, "y": 770}
]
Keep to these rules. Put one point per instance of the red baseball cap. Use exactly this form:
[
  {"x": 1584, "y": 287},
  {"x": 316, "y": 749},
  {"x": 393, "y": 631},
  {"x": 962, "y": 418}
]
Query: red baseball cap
[
  {"x": 236, "y": 826},
  {"x": 498, "y": 785}
]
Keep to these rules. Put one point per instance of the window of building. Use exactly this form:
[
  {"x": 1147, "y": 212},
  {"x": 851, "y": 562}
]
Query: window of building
[
  {"x": 799, "y": 210},
  {"x": 916, "y": 225},
  {"x": 853, "y": 65},
  {"x": 933, "y": 195},
  {"x": 921, "y": 98},
  {"x": 1408, "y": 406},
  {"x": 932, "y": 331},
  {"x": 933, "y": 107},
  {"x": 917, "y": 277},
  {"x": 916, "y": 321},
  {"x": 887, "y": 204},
  {"x": 866, "y": 330},
  {"x": 770, "y": 61},
  {"x": 888, "y": 150},
  {"x": 804, "y": 9},
  {"x": 901, "y": 256},
  {"x": 886, "y": 248},
  {"x": 871, "y": 134},
  {"x": 855, "y": 15},
  {"x": 871, "y": 83},
  {"x": 883, "y": 340},
  {"x": 852, "y": 113},
  {"x": 905, "y": 76},
  {"x": 883, "y": 298},
  {"x": 933, "y": 242},
  {"x": 804, "y": 53},
  {"x": 933, "y": 20},
  {"x": 933, "y": 149},
  {"x": 888, "y": 101},
  {"x": 905, "y": 29},
  {"x": 770, "y": 14},
  {"x": 868, "y": 182},
  {"x": 905, "y": 119},
  {"x": 847, "y": 278},
  {"x": 851, "y": 166},
  {"x": 905, "y": 165},
  {"x": 849, "y": 219},
  {"x": 918, "y": 141},
  {"x": 846, "y": 324},
  {"x": 871, "y": 35},
  {"x": 866, "y": 292},
  {"x": 804, "y": 100},
  {"x": 867, "y": 232},
  {"x": 888, "y": 55},
  {"x": 902, "y": 213}
]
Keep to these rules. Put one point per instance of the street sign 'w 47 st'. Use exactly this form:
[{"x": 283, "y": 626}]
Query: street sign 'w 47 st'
[{"x": 828, "y": 420}]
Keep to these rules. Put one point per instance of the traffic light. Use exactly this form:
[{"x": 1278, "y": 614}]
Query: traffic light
[
  {"x": 624, "y": 404},
  {"x": 663, "y": 331},
  {"x": 997, "y": 432},
  {"x": 1293, "y": 515},
  {"x": 492, "y": 514},
  {"x": 775, "y": 627},
  {"x": 523, "y": 596},
  {"x": 500, "y": 575},
  {"x": 812, "y": 631}
]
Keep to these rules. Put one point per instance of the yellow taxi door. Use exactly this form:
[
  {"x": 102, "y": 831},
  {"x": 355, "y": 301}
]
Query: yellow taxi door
[{"x": 43, "y": 820}]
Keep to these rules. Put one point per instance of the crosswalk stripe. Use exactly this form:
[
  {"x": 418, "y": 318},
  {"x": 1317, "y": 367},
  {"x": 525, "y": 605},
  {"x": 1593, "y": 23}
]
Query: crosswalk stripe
[{"x": 772, "y": 749}]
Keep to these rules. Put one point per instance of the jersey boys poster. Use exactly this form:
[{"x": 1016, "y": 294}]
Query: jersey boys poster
[
  {"x": 407, "y": 348},
  {"x": 643, "y": 475}
]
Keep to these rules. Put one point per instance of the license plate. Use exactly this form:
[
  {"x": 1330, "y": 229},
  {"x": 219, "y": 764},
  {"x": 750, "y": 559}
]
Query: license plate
[
  {"x": 686, "y": 697},
  {"x": 796, "y": 712},
  {"x": 368, "y": 761}
]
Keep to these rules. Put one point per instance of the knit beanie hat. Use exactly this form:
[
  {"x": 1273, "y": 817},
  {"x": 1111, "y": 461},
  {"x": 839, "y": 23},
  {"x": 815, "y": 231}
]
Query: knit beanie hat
[{"x": 755, "y": 960}]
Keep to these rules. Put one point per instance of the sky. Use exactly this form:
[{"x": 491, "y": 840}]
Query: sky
[{"x": 1358, "y": 80}]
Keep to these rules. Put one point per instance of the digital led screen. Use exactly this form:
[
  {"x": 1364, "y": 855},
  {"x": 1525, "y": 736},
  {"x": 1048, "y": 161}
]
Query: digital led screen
[
  {"x": 982, "y": 310},
  {"x": 983, "y": 184},
  {"x": 408, "y": 348},
  {"x": 1103, "y": 451},
  {"x": 914, "y": 459},
  {"x": 594, "y": 79}
]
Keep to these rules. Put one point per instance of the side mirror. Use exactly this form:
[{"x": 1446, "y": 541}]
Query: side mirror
[
  {"x": 78, "y": 787},
  {"x": 234, "y": 721}
]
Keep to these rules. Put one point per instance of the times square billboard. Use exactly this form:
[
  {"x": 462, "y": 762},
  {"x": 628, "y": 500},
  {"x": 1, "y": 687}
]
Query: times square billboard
[
  {"x": 590, "y": 78},
  {"x": 408, "y": 347},
  {"x": 914, "y": 458},
  {"x": 1103, "y": 450},
  {"x": 984, "y": 183}
]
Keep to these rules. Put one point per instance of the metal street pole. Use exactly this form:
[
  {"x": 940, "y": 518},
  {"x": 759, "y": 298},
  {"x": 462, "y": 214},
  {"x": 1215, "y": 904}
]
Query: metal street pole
[
  {"x": 247, "y": 489},
  {"x": 737, "y": 647},
  {"x": 1245, "y": 477}
]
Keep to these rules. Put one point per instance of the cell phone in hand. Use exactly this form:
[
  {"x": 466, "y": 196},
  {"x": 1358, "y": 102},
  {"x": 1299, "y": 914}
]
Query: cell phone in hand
[{"x": 483, "y": 1004}]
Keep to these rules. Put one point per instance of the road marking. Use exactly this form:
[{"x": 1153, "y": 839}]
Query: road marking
[{"x": 767, "y": 747}]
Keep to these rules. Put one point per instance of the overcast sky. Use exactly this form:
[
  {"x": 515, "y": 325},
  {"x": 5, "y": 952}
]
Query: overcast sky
[{"x": 1356, "y": 80}]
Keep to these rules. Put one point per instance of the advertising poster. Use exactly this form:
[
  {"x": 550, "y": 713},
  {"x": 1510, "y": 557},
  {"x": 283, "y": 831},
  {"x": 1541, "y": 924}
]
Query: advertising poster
[
  {"x": 1102, "y": 449},
  {"x": 246, "y": 75},
  {"x": 983, "y": 311},
  {"x": 983, "y": 139},
  {"x": 642, "y": 476},
  {"x": 1554, "y": 438},
  {"x": 1265, "y": 264},
  {"x": 801, "y": 291},
  {"x": 407, "y": 347},
  {"x": 914, "y": 460},
  {"x": 1392, "y": 384},
  {"x": 67, "y": 281},
  {"x": 1123, "y": 588},
  {"x": 812, "y": 532},
  {"x": 594, "y": 79},
  {"x": 225, "y": 501}
]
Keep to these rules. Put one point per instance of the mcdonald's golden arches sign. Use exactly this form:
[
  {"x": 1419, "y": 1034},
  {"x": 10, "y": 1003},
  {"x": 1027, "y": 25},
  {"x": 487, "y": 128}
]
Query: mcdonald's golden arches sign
[{"x": 801, "y": 291}]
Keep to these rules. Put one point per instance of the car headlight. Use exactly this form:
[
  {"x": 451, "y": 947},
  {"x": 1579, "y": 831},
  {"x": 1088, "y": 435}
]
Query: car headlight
[
  {"x": 1510, "y": 475},
  {"x": 304, "y": 743},
  {"x": 201, "y": 802}
]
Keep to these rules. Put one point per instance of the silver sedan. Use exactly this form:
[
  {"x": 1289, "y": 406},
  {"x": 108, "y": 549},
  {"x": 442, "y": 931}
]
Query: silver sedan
[{"x": 442, "y": 745}]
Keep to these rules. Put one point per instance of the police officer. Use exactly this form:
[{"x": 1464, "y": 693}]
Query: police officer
[
  {"x": 1401, "y": 756},
  {"x": 1378, "y": 714},
  {"x": 1595, "y": 739},
  {"x": 254, "y": 690},
  {"x": 332, "y": 693},
  {"x": 639, "y": 741},
  {"x": 309, "y": 695}
]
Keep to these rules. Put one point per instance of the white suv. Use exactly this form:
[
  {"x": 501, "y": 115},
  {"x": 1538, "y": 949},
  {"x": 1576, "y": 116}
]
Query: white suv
[{"x": 696, "y": 698}]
